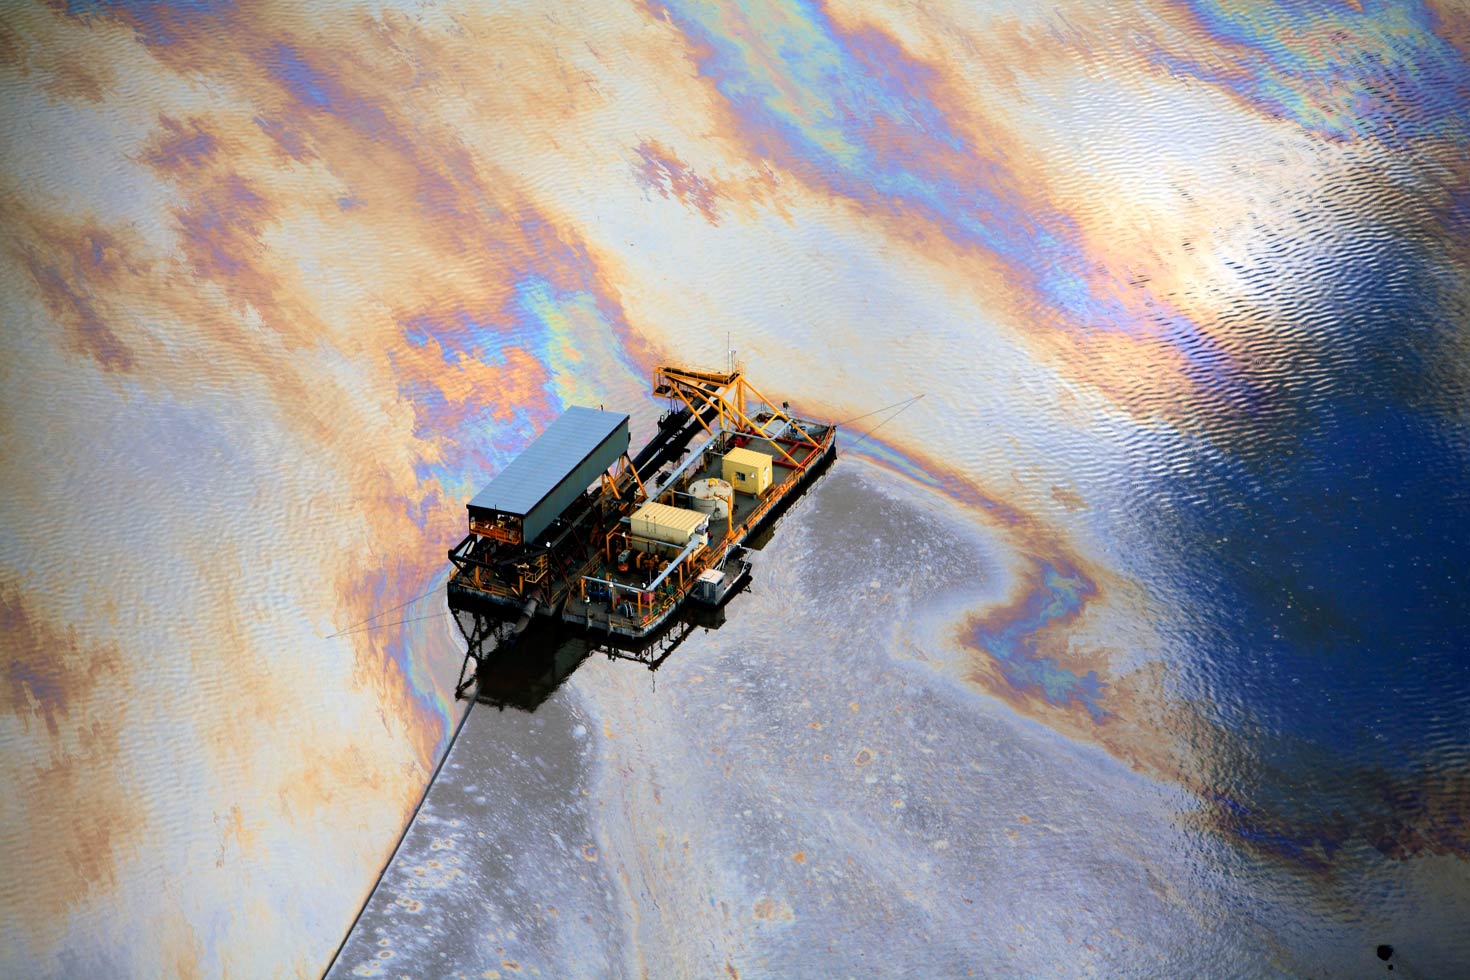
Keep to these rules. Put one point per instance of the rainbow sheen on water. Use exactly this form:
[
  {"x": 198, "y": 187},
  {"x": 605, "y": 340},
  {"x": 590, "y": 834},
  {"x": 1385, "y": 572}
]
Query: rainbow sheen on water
[{"x": 1135, "y": 647}]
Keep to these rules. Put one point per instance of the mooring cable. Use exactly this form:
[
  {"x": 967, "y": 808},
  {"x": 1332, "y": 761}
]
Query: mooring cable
[
  {"x": 369, "y": 627},
  {"x": 403, "y": 836},
  {"x": 381, "y": 612},
  {"x": 906, "y": 407},
  {"x": 905, "y": 402}
]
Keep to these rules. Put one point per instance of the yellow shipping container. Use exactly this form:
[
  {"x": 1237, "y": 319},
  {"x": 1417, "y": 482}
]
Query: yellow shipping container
[
  {"x": 671, "y": 525},
  {"x": 747, "y": 471}
]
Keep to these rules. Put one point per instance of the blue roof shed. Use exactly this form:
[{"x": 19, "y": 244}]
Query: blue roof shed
[{"x": 550, "y": 473}]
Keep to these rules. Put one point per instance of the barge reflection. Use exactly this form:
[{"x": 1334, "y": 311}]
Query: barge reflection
[{"x": 506, "y": 667}]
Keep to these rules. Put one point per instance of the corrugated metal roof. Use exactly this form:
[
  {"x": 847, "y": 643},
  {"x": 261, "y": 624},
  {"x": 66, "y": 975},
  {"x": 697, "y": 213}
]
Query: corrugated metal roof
[{"x": 542, "y": 465}]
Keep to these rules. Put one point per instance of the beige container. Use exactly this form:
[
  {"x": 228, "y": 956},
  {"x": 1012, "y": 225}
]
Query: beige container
[
  {"x": 656, "y": 523},
  {"x": 712, "y": 497},
  {"x": 747, "y": 471}
]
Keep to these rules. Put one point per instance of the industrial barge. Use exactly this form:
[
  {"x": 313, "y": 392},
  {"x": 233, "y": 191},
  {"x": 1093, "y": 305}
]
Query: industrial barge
[{"x": 575, "y": 528}]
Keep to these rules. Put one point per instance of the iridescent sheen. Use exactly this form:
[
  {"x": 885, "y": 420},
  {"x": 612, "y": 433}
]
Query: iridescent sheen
[{"x": 1181, "y": 519}]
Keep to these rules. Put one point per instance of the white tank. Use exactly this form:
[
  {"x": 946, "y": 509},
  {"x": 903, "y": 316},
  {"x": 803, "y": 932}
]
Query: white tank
[{"x": 712, "y": 497}]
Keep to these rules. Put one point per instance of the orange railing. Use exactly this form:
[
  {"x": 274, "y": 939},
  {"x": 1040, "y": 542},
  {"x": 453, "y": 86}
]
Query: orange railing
[{"x": 495, "y": 532}]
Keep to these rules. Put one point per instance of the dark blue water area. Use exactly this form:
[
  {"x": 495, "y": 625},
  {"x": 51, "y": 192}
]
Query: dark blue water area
[
  {"x": 1323, "y": 547},
  {"x": 1344, "y": 567}
]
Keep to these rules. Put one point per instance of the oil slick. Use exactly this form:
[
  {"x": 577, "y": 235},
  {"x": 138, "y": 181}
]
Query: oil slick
[{"x": 281, "y": 285}]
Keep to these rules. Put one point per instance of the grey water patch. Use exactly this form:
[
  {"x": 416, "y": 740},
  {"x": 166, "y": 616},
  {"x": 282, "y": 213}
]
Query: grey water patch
[
  {"x": 809, "y": 795},
  {"x": 499, "y": 873},
  {"x": 809, "y": 790}
]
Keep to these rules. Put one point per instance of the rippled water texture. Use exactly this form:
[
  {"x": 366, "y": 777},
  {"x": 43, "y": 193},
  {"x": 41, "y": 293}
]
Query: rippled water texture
[{"x": 1150, "y": 610}]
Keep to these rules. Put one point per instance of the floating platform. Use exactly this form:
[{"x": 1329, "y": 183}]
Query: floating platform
[{"x": 621, "y": 555}]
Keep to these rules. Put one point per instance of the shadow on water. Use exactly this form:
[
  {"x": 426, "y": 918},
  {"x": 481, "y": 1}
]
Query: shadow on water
[{"x": 521, "y": 669}]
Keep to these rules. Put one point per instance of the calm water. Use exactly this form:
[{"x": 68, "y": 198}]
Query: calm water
[{"x": 1135, "y": 648}]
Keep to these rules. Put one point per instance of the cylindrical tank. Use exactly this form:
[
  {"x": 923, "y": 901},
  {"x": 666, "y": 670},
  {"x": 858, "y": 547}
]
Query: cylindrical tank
[{"x": 712, "y": 497}]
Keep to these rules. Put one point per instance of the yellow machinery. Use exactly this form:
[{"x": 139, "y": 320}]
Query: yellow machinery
[
  {"x": 726, "y": 393},
  {"x": 659, "y": 527},
  {"x": 747, "y": 471}
]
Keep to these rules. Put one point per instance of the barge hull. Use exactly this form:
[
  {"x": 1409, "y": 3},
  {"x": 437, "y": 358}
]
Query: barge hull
[{"x": 622, "y": 557}]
